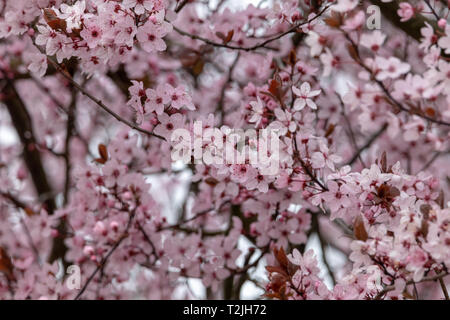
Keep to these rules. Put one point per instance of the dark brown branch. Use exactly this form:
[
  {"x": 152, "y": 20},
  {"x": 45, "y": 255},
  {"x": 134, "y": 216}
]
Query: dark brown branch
[
  {"x": 390, "y": 99},
  {"x": 433, "y": 11},
  {"x": 323, "y": 246},
  {"x": 426, "y": 279},
  {"x": 351, "y": 132},
  {"x": 367, "y": 144},
  {"x": 220, "y": 105},
  {"x": 181, "y": 5},
  {"x": 306, "y": 168},
  {"x": 196, "y": 216},
  {"x": 444, "y": 289},
  {"x": 22, "y": 122},
  {"x": 250, "y": 48},
  {"x": 104, "y": 261},
  {"x": 100, "y": 103},
  {"x": 59, "y": 248},
  {"x": 436, "y": 155}
]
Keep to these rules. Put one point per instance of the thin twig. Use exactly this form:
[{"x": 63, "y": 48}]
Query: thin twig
[
  {"x": 367, "y": 144},
  {"x": 322, "y": 242},
  {"x": 352, "y": 133},
  {"x": 392, "y": 287},
  {"x": 250, "y": 48},
  {"x": 433, "y": 11},
  {"x": 102, "y": 263},
  {"x": 436, "y": 155},
  {"x": 220, "y": 105},
  {"x": 181, "y": 6},
  {"x": 385, "y": 90},
  {"x": 444, "y": 289},
  {"x": 196, "y": 216},
  {"x": 100, "y": 103},
  {"x": 306, "y": 168}
]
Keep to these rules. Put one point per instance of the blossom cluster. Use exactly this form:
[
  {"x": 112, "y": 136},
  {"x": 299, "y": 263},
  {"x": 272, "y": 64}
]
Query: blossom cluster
[{"x": 93, "y": 93}]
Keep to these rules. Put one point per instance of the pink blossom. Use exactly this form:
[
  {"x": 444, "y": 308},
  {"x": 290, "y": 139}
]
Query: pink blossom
[
  {"x": 304, "y": 96},
  {"x": 168, "y": 124},
  {"x": 139, "y": 5},
  {"x": 151, "y": 34},
  {"x": 405, "y": 12},
  {"x": 179, "y": 97}
]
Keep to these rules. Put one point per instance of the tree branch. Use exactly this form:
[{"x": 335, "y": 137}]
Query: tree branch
[
  {"x": 22, "y": 122},
  {"x": 100, "y": 103},
  {"x": 250, "y": 48},
  {"x": 390, "y": 288}
]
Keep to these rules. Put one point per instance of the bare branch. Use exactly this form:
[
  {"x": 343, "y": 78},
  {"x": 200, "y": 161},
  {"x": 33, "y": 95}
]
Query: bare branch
[{"x": 254, "y": 47}]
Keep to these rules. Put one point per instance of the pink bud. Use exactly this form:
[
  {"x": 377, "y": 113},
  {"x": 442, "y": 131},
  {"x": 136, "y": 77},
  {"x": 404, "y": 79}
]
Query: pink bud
[
  {"x": 111, "y": 203},
  {"x": 127, "y": 195},
  {"x": 296, "y": 16},
  {"x": 22, "y": 173},
  {"x": 78, "y": 241},
  {"x": 54, "y": 233},
  {"x": 442, "y": 23},
  {"x": 100, "y": 229},
  {"x": 253, "y": 230},
  {"x": 88, "y": 250},
  {"x": 154, "y": 121},
  {"x": 114, "y": 226}
]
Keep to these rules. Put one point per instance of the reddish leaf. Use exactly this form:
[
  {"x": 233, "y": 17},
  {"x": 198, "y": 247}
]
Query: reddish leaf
[
  {"x": 424, "y": 228},
  {"x": 274, "y": 269},
  {"x": 274, "y": 295},
  {"x": 6, "y": 265},
  {"x": 211, "y": 181},
  {"x": 334, "y": 20},
  {"x": 220, "y": 35},
  {"x": 359, "y": 230},
  {"x": 430, "y": 112},
  {"x": 228, "y": 37},
  {"x": 440, "y": 199},
  {"x": 100, "y": 160},
  {"x": 102, "y": 150},
  {"x": 198, "y": 67},
  {"x": 29, "y": 211},
  {"x": 352, "y": 52},
  {"x": 383, "y": 162},
  {"x": 329, "y": 130},
  {"x": 273, "y": 87},
  {"x": 292, "y": 57},
  {"x": 281, "y": 257},
  {"x": 53, "y": 21}
]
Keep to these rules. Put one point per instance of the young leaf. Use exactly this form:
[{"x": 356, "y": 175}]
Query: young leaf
[
  {"x": 53, "y": 21},
  {"x": 102, "y": 150},
  {"x": 359, "y": 231},
  {"x": 6, "y": 265},
  {"x": 228, "y": 37}
]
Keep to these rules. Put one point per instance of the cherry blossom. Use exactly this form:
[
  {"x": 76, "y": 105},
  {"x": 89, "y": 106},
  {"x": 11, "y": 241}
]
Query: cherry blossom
[
  {"x": 304, "y": 95},
  {"x": 154, "y": 144}
]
